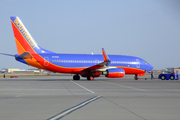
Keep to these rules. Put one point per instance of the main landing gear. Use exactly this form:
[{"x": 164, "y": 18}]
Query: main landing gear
[
  {"x": 77, "y": 77},
  {"x": 90, "y": 78}
]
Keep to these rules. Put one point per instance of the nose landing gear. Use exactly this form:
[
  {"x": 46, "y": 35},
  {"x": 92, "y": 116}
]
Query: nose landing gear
[{"x": 135, "y": 77}]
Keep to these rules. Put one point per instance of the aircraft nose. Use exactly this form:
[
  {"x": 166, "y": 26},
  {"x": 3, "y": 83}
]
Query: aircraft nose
[{"x": 150, "y": 67}]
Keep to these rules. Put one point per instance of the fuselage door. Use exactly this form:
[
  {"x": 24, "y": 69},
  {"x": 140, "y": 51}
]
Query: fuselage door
[
  {"x": 137, "y": 63},
  {"x": 46, "y": 61}
]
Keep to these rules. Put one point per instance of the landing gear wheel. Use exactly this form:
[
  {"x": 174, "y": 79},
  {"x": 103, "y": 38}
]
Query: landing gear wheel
[
  {"x": 135, "y": 77},
  {"x": 76, "y": 77},
  {"x": 90, "y": 78}
]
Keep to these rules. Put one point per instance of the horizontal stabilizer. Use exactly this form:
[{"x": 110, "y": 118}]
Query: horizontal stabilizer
[{"x": 7, "y": 54}]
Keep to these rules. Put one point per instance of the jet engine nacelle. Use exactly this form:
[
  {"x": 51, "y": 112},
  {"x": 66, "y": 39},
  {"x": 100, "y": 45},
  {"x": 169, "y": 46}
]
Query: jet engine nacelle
[{"x": 114, "y": 73}]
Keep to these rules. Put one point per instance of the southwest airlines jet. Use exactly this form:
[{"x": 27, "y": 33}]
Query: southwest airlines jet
[{"x": 85, "y": 65}]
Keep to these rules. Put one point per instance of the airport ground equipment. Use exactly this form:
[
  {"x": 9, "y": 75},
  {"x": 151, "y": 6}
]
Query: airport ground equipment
[{"x": 168, "y": 76}]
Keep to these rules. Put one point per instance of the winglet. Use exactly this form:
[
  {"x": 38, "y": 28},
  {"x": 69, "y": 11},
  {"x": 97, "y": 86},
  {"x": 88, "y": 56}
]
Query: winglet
[{"x": 106, "y": 58}]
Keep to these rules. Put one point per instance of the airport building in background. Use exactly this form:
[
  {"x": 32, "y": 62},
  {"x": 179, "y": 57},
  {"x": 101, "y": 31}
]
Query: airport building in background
[{"x": 15, "y": 70}]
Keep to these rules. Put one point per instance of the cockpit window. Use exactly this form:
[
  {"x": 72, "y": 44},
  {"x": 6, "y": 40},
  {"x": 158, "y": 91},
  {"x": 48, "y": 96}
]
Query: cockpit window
[{"x": 145, "y": 62}]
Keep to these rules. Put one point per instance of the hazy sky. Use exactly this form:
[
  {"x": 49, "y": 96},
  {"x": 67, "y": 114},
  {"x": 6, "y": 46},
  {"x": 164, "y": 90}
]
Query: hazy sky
[{"x": 149, "y": 29}]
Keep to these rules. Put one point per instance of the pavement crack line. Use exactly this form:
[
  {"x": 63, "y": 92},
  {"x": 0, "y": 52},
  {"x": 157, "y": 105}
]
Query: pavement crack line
[
  {"x": 125, "y": 109},
  {"x": 68, "y": 89},
  {"x": 70, "y": 110}
]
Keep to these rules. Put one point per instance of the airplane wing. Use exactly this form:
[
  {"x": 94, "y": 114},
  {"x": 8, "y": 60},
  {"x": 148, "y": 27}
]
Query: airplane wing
[{"x": 101, "y": 66}]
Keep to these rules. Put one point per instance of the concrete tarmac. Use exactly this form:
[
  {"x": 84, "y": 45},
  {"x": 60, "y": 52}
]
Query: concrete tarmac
[{"x": 60, "y": 97}]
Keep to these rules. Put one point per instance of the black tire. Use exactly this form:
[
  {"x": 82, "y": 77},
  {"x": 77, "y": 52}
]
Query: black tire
[
  {"x": 76, "y": 77},
  {"x": 172, "y": 77},
  {"x": 163, "y": 77},
  {"x": 135, "y": 78}
]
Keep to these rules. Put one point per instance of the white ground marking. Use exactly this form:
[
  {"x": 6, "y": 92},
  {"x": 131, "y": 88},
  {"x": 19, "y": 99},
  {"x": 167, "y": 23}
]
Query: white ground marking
[
  {"x": 82, "y": 86},
  {"x": 57, "y": 117}
]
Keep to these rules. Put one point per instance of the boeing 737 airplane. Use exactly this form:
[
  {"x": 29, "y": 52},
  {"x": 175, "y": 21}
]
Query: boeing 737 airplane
[{"x": 85, "y": 65}]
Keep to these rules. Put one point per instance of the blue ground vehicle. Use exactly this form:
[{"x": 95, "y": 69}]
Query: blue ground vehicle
[{"x": 169, "y": 76}]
